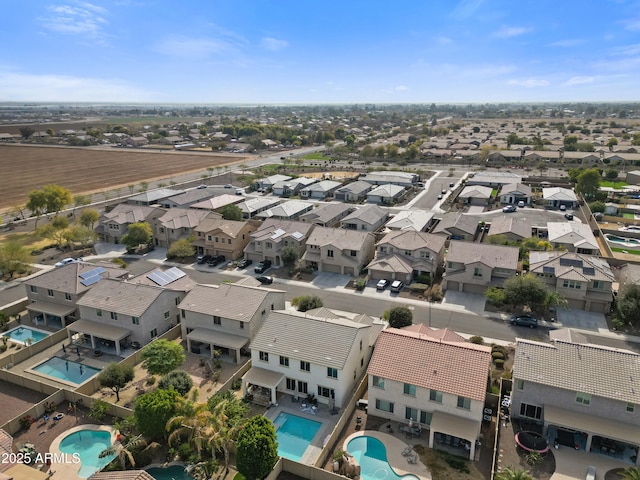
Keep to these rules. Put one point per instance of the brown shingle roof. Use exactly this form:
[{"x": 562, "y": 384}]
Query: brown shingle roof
[
  {"x": 67, "y": 278},
  {"x": 495, "y": 256}
]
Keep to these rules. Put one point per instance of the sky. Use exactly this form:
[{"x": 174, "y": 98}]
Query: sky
[{"x": 303, "y": 52}]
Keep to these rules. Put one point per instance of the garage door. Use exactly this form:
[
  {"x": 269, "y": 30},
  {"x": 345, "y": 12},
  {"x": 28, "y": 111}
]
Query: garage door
[
  {"x": 470, "y": 288},
  {"x": 599, "y": 307},
  {"x": 331, "y": 268},
  {"x": 575, "y": 303},
  {"x": 452, "y": 286},
  {"x": 349, "y": 271}
]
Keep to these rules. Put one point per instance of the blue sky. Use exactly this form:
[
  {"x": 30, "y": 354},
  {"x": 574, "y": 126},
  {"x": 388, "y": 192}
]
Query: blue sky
[{"x": 349, "y": 51}]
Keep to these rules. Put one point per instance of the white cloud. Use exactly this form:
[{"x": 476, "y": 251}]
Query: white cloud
[
  {"x": 444, "y": 40},
  {"x": 401, "y": 88},
  {"x": 578, "y": 81},
  {"x": 273, "y": 44},
  {"x": 184, "y": 47},
  {"x": 508, "y": 32},
  {"x": 82, "y": 18},
  {"x": 466, "y": 8},
  {"x": 529, "y": 82}
]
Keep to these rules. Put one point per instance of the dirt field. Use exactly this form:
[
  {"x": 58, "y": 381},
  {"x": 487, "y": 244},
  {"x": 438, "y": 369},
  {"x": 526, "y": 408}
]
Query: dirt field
[{"x": 84, "y": 170}]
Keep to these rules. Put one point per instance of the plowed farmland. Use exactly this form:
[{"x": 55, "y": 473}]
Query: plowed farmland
[{"x": 84, "y": 170}]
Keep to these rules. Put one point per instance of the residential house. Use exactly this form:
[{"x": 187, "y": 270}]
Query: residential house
[
  {"x": 226, "y": 317},
  {"x": 53, "y": 294},
  {"x": 633, "y": 177},
  {"x": 438, "y": 382},
  {"x": 584, "y": 280},
  {"x": 291, "y": 187},
  {"x": 188, "y": 198},
  {"x": 405, "y": 254},
  {"x": 267, "y": 242},
  {"x": 253, "y": 206},
  {"x": 339, "y": 250},
  {"x": 494, "y": 179},
  {"x": 176, "y": 224},
  {"x": 320, "y": 190},
  {"x": 387, "y": 194},
  {"x": 118, "y": 313},
  {"x": 513, "y": 193},
  {"x": 414, "y": 219},
  {"x": 583, "y": 158},
  {"x": 216, "y": 236},
  {"x": 404, "y": 179},
  {"x": 215, "y": 204},
  {"x": 513, "y": 228},
  {"x": 153, "y": 197},
  {"x": 289, "y": 210},
  {"x": 458, "y": 226},
  {"x": 575, "y": 237},
  {"x": 327, "y": 214},
  {"x": 135, "y": 141},
  {"x": 584, "y": 395},
  {"x": 353, "y": 192},
  {"x": 555, "y": 197},
  {"x": 478, "y": 195},
  {"x": 480, "y": 267},
  {"x": 267, "y": 183},
  {"x": 368, "y": 218},
  {"x": 287, "y": 358},
  {"x": 113, "y": 225}
]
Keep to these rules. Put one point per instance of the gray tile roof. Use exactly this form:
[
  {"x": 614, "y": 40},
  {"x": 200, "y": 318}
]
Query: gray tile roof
[
  {"x": 123, "y": 213},
  {"x": 357, "y": 188},
  {"x": 573, "y": 266},
  {"x": 276, "y": 230},
  {"x": 572, "y": 233},
  {"x": 341, "y": 238},
  {"x": 67, "y": 278},
  {"x": 494, "y": 256},
  {"x": 121, "y": 297},
  {"x": 326, "y": 212},
  {"x": 594, "y": 369},
  {"x": 183, "y": 284},
  {"x": 405, "y": 219},
  {"x": 519, "y": 226},
  {"x": 412, "y": 240},
  {"x": 286, "y": 209},
  {"x": 559, "y": 193},
  {"x": 369, "y": 214},
  {"x": 176, "y": 218},
  {"x": 466, "y": 223}
]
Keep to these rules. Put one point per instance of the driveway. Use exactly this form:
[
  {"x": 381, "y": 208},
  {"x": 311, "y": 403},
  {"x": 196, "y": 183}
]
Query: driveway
[
  {"x": 471, "y": 302},
  {"x": 331, "y": 280},
  {"x": 579, "y": 319}
]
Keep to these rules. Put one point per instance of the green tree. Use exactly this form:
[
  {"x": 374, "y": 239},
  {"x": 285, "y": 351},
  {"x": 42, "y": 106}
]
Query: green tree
[
  {"x": 192, "y": 424},
  {"x": 56, "y": 198},
  {"x": 525, "y": 290},
  {"x": 628, "y": 305},
  {"x": 257, "y": 448},
  {"x": 182, "y": 248},
  {"x": 613, "y": 141},
  {"x": 137, "y": 234},
  {"x": 306, "y": 302},
  {"x": 509, "y": 473},
  {"x": 495, "y": 296},
  {"x": 89, "y": 217},
  {"x": 13, "y": 257},
  {"x": 597, "y": 206},
  {"x": 26, "y": 132},
  {"x": 153, "y": 410},
  {"x": 37, "y": 204},
  {"x": 380, "y": 151},
  {"x": 115, "y": 376},
  {"x": 611, "y": 174},
  {"x": 231, "y": 212},
  {"x": 144, "y": 186},
  {"x": 367, "y": 151},
  {"x": 55, "y": 230},
  {"x": 399, "y": 317},
  {"x": 162, "y": 356},
  {"x": 179, "y": 380},
  {"x": 80, "y": 201},
  {"x": 412, "y": 151},
  {"x": 589, "y": 183},
  {"x": 124, "y": 450},
  {"x": 289, "y": 255},
  {"x": 555, "y": 299}
]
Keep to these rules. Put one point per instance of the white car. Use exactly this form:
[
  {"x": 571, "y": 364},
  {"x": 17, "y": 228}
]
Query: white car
[{"x": 66, "y": 261}]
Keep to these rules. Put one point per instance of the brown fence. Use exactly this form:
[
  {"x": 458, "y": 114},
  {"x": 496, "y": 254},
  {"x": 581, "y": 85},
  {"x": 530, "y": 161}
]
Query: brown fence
[
  {"x": 301, "y": 470},
  {"x": 16, "y": 307},
  {"x": 17, "y": 356},
  {"x": 244, "y": 368}
]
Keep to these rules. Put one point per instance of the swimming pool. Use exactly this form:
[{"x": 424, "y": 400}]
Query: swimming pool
[
  {"x": 22, "y": 334},
  {"x": 372, "y": 457},
  {"x": 623, "y": 241},
  {"x": 294, "y": 434},
  {"x": 73, "y": 372},
  {"x": 175, "y": 472},
  {"x": 88, "y": 444}
]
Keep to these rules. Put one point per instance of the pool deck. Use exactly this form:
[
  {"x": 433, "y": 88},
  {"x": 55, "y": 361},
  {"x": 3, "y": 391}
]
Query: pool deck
[
  {"x": 394, "y": 448},
  {"x": 70, "y": 470}
]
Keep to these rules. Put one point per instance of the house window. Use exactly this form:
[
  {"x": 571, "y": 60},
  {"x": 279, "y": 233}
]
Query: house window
[
  {"x": 330, "y": 253},
  {"x": 114, "y": 315},
  {"x": 177, "y": 301},
  {"x": 33, "y": 289},
  {"x": 67, "y": 296},
  {"x": 411, "y": 413},
  {"x": 382, "y": 249},
  {"x": 424, "y": 255},
  {"x": 530, "y": 411},
  {"x": 264, "y": 356},
  {"x": 217, "y": 240},
  {"x": 184, "y": 315},
  {"x": 363, "y": 227},
  {"x": 303, "y": 387},
  {"x": 332, "y": 372},
  {"x": 161, "y": 229},
  {"x": 354, "y": 253},
  {"x": 631, "y": 407},
  {"x": 269, "y": 245},
  {"x": 464, "y": 402},
  {"x": 449, "y": 264},
  {"x": 291, "y": 384},
  {"x": 408, "y": 253},
  {"x": 425, "y": 417},
  {"x": 477, "y": 272},
  {"x": 360, "y": 345},
  {"x": 229, "y": 241},
  {"x": 583, "y": 398},
  {"x": 435, "y": 396},
  {"x": 384, "y": 405},
  {"x": 241, "y": 325},
  {"x": 50, "y": 292},
  {"x": 326, "y": 392},
  {"x": 284, "y": 361},
  {"x": 209, "y": 237},
  {"x": 519, "y": 384},
  {"x": 409, "y": 389},
  {"x": 598, "y": 284},
  {"x": 99, "y": 313},
  {"x": 571, "y": 284},
  {"x": 135, "y": 320},
  {"x": 305, "y": 366},
  {"x": 216, "y": 320},
  {"x": 378, "y": 382},
  {"x": 153, "y": 333},
  {"x": 166, "y": 315},
  {"x": 361, "y": 361}
]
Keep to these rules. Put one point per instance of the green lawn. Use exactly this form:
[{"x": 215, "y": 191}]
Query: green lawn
[
  {"x": 628, "y": 215},
  {"x": 622, "y": 250},
  {"x": 610, "y": 184},
  {"x": 315, "y": 156}
]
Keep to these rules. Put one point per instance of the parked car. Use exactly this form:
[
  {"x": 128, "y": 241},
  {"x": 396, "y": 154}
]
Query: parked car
[
  {"x": 521, "y": 204},
  {"x": 66, "y": 261},
  {"x": 216, "y": 260},
  {"x": 396, "y": 286},
  {"x": 451, "y": 185},
  {"x": 509, "y": 209},
  {"x": 382, "y": 284},
  {"x": 563, "y": 208},
  {"x": 265, "y": 280},
  {"x": 203, "y": 259},
  {"x": 263, "y": 266},
  {"x": 524, "y": 320},
  {"x": 245, "y": 263},
  {"x": 440, "y": 197},
  {"x": 568, "y": 216}
]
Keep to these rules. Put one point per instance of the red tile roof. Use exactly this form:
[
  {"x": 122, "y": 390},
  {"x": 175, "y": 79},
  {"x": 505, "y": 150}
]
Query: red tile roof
[
  {"x": 6, "y": 442},
  {"x": 418, "y": 358}
]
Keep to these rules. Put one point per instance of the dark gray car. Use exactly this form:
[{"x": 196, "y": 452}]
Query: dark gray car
[{"x": 524, "y": 320}]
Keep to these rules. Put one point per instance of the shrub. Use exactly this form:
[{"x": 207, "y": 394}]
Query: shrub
[
  {"x": 99, "y": 410},
  {"x": 457, "y": 463},
  {"x": 423, "y": 278},
  {"x": 497, "y": 356},
  {"x": 499, "y": 363},
  {"x": 237, "y": 384},
  {"x": 179, "y": 380},
  {"x": 360, "y": 283},
  {"x": 184, "y": 451},
  {"x": 478, "y": 340},
  {"x": 306, "y": 302},
  {"x": 26, "y": 421},
  {"x": 151, "y": 380},
  {"x": 502, "y": 349},
  {"x": 416, "y": 287},
  {"x": 435, "y": 295},
  {"x": 533, "y": 458}
]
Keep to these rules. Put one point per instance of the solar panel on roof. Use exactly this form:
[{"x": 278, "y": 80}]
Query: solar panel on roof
[
  {"x": 548, "y": 270},
  {"x": 93, "y": 271},
  {"x": 174, "y": 273},
  {"x": 91, "y": 280},
  {"x": 570, "y": 262},
  {"x": 278, "y": 233},
  {"x": 589, "y": 271},
  {"x": 158, "y": 278}
]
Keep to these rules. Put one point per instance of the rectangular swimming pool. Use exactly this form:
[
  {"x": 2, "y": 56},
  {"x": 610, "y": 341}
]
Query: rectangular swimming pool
[
  {"x": 24, "y": 335},
  {"x": 73, "y": 372},
  {"x": 294, "y": 435}
]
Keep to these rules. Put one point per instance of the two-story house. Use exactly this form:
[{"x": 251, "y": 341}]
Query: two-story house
[
  {"x": 53, "y": 294},
  {"x": 226, "y": 317},
  {"x": 267, "y": 242},
  {"x": 286, "y": 356},
  {"x": 586, "y": 396},
  {"x": 368, "y": 218},
  {"x": 113, "y": 225},
  {"x": 339, "y": 250},
  {"x": 584, "y": 280},
  {"x": 438, "y": 382},
  {"x": 573, "y": 236},
  {"x": 216, "y": 236},
  {"x": 176, "y": 224},
  {"x": 327, "y": 214},
  {"x": 404, "y": 254},
  {"x": 476, "y": 269}
]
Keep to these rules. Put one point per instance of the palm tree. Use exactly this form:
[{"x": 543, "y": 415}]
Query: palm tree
[
  {"x": 631, "y": 473},
  {"x": 194, "y": 424},
  {"x": 554, "y": 299},
  {"x": 510, "y": 474},
  {"x": 124, "y": 450}
]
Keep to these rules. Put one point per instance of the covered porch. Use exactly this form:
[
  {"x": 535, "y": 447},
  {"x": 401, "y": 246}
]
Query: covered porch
[
  {"x": 51, "y": 314},
  {"x": 230, "y": 345},
  {"x": 100, "y": 331},
  {"x": 265, "y": 379},
  {"x": 458, "y": 432}
]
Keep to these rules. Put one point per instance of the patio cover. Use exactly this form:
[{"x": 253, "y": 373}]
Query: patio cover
[
  {"x": 221, "y": 339},
  {"x": 51, "y": 308},
  {"x": 455, "y": 426},
  {"x": 582, "y": 422},
  {"x": 263, "y": 378},
  {"x": 100, "y": 330}
]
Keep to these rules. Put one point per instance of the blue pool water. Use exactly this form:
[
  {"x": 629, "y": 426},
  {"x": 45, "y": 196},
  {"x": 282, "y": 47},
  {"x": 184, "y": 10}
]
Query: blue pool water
[
  {"x": 21, "y": 334},
  {"x": 631, "y": 242},
  {"x": 294, "y": 435},
  {"x": 67, "y": 370},
  {"x": 174, "y": 472},
  {"x": 88, "y": 444},
  {"x": 372, "y": 457}
]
